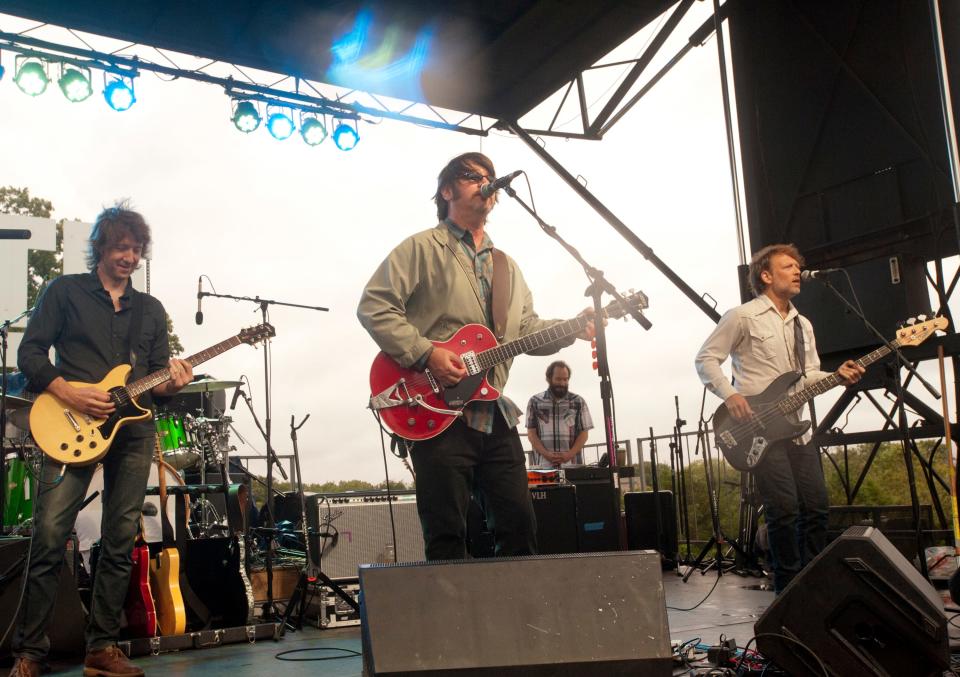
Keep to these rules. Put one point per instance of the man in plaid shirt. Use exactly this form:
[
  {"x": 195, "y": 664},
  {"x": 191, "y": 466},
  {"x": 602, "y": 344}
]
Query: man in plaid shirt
[{"x": 558, "y": 421}]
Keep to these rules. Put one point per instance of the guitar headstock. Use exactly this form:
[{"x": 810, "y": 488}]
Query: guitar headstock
[
  {"x": 635, "y": 300},
  {"x": 916, "y": 332},
  {"x": 255, "y": 335}
]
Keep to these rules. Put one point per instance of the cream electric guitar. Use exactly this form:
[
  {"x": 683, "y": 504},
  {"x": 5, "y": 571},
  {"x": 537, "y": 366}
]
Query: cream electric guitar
[{"x": 74, "y": 438}]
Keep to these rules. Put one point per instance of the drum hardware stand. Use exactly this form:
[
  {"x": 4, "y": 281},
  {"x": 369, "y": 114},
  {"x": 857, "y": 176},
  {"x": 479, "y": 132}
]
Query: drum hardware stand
[
  {"x": 4, "y": 332},
  {"x": 718, "y": 539},
  {"x": 269, "y": 608},
  {"x": 598, "y": 285},
  {"x": 310, "y": 572}
]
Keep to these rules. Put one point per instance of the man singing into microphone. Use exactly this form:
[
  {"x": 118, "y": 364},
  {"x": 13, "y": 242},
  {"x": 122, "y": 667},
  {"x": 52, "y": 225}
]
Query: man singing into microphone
[
  {"x": 765, "y": 338},
  {"x": 428, "y": 287}
]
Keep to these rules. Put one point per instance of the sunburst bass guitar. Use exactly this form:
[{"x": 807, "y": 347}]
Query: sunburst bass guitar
[
  {"x": 744, "y": 444},
  {"x": 416, "y": 406},
  {"x": 74, "y": 438}
]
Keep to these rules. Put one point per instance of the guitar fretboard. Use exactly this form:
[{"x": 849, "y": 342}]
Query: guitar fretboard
[
  {"x": 799, "y": 398},
  {"x": 557, "y": 332},
  {"x": 144, "y": 384}
]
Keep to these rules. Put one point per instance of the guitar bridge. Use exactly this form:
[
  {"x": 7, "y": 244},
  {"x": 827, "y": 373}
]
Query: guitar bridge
[{"x": 70, "y": 418}]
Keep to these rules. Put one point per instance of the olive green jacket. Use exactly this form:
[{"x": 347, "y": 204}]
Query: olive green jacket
[{"x": 425, "y": 290}]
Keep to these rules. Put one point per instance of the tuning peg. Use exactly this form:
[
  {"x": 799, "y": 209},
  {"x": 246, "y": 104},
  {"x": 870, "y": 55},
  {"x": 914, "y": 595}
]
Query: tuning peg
[
  {"x": 595, "y": 365},
  {"x": 922, "y": 318},
  {"x": 911, "y": 321}
]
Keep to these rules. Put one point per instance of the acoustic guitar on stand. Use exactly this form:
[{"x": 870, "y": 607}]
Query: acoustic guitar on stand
[
  {"x": 744, "y": 444},
  {"x": 74, "y": 438},
  {"x": 416, "y": 406}
]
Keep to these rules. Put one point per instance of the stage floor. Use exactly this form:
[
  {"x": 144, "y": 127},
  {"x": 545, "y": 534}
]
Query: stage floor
[{"x": 731, "y": 610}]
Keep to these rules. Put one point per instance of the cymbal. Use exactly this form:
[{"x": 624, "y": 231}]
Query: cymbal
[
  {"x": 14, "y": 402},
  {"x": 209, "y": 385}
]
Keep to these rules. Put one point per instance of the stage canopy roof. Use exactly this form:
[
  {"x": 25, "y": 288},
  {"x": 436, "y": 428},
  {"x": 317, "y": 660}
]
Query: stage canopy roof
[{"x": 498, "y": 58}]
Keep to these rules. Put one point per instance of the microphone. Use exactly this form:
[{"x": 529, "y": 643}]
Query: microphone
[
  {"x": 808, "y": 275},
  {"x": 488, "y": 189},
  {"x": 199, "y": 299},
  {"x": 236, "y": 396}
]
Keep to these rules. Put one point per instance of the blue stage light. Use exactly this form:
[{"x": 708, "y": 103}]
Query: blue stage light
[
  {"x": 345, "y": 136},
  {"x": 2, "y": 71},
  {"x": 280, "y": 126},
  {"x": 75, "y": 84},
  {"x": 119, "y": 93},
  {"x": 32, "y": 78},
  {"x": 246, "y": 117},
  {"x": 313, "y": 131}
]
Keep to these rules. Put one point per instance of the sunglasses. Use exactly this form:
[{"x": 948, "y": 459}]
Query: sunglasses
[{"x": 475, "y": 177}]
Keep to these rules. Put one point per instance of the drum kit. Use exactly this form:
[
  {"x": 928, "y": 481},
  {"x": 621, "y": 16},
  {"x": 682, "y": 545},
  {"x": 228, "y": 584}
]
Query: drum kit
[{"x": 190, "y": 441}]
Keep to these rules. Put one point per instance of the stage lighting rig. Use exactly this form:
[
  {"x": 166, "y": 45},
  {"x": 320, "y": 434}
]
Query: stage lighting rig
[
  {"x": 312, "y": 130},
  {"x": 74, "y": 82},
  {"x": 246, "y": 117},
  {"x": 280, "y": 124},
  {"x": 118, "y": 91},
  {"x": 31, "y": 76},
  {"x": 345, "y": 136}
]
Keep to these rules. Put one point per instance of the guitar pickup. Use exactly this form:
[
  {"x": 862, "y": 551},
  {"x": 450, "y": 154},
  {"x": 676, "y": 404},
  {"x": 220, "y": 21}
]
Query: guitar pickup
[
  {"x": 728, "y": 439},
  {"x": 433, "y": 382},
  {"x": 470, "y": 362}
]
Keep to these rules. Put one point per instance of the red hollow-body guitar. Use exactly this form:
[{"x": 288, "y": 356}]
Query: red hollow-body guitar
[{"x": 416, "y": 406}]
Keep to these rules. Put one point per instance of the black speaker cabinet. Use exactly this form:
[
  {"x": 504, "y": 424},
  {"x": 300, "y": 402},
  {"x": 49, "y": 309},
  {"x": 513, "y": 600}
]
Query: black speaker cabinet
[
  {"x": 861, "y": 609},
  {"x": 598, "y": 509},
  {"x": 69, "y": 618},
  {"x": 354, "y": 528},
  {"x": 556, "y": 509},
  {"x": 643, "y": 532},
  {"x": 558, "y": 615}
]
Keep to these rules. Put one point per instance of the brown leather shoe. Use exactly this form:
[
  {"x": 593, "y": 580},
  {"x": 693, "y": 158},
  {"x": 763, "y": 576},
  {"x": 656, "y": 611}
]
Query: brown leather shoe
[
  {"x": 109, "y": 662},
  {"x": 26, "y": 667}
]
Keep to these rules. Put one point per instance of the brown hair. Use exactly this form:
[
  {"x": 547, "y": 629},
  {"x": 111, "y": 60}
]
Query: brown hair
[
  {"x": 761, "y": 262},
  {"x": 557, "y": 364},
  {"x": 454, "y": 168},
  {"x": 110, "y": 227}
]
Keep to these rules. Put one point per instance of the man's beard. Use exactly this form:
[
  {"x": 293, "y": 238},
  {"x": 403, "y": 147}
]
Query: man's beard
[{"x": 558, "y": 391}]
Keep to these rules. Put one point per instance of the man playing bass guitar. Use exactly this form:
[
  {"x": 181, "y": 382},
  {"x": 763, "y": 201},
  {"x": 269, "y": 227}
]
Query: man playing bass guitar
[
  {"x": 765, "y": 338},
  {"x": 429, "y": 286},
  {"x": 95, "y": 321}
]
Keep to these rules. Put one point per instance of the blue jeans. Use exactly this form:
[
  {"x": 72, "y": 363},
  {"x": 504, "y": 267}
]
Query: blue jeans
[
  {"x": 125, "y": 471},
  {"x": 794, "y": 494},
  {"x": 462, "y": 460}
]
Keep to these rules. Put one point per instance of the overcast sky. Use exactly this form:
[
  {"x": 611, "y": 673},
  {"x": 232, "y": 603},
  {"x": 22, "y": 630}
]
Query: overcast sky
[{"x": 309, "y": 225}]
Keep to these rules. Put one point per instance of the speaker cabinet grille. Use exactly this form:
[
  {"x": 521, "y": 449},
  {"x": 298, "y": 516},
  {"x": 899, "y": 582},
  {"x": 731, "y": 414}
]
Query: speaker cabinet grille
[{"x": 358, "y": 530}]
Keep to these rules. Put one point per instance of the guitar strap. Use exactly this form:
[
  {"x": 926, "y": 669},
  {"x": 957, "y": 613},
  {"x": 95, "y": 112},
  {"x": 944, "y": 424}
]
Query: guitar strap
[
  {"x": 499, "y": 292},
  {"x": 798, "y": 345},
  {"x": 136, "y": 324}
]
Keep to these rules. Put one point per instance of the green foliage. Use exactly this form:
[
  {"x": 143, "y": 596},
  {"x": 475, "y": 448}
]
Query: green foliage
[{"x": 176, "y": 348}]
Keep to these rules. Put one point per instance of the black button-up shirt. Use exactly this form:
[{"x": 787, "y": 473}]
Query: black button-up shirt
[{"x": 76, "y": 316}]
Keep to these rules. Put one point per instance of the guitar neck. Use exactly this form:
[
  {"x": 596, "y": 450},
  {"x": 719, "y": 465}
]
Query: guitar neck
[
  {"x": 801, "y": 397},
  {"x": 557, "y": 332},
  {"x": 144, "y": 384}
]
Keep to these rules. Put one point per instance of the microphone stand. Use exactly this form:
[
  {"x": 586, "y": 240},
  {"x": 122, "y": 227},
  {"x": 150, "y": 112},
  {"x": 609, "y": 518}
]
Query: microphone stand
[
  {"x": 269, "y": 608},
  {"x": 901, "y": 415},
  {"x": 598, "y": 285}
]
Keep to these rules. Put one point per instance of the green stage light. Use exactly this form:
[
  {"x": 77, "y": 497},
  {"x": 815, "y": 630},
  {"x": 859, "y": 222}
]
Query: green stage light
[
  {"x": 75, "y": 85},
  {"x": 32, "y": 78},
  {"x": 313, "y": 131},
  {"x": 246, "y": 118}
]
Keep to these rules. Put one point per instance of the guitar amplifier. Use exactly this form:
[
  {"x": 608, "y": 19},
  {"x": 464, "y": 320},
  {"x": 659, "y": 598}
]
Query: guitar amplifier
[{"x": 354, "y": 528}]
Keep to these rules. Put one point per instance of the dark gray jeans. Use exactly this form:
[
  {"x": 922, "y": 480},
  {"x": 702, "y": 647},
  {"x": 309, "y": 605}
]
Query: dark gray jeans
[
  {"x": 125, "y": 471},
  {"x": 794, "y": 494}
]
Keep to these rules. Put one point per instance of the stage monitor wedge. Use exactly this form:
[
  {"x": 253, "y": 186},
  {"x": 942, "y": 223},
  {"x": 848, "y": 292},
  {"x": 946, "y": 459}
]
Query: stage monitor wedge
[
  {"x": 859, "y": 608},
  {"x": 557, "y": 615}
]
